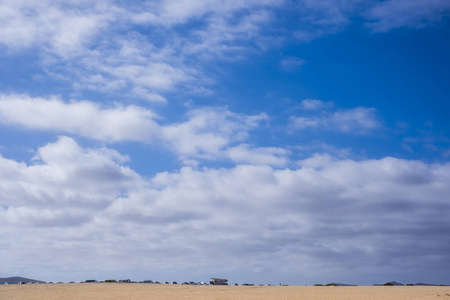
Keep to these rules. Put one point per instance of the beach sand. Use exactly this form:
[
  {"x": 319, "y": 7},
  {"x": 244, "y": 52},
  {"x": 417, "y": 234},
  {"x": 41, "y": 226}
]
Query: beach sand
[{"x": 142, "y": 291}]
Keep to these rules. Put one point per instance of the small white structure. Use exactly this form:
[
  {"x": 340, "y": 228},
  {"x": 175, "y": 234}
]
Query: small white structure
[{"x": 218, "y": 281}]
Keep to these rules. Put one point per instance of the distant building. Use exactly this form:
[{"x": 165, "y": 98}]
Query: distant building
[{"x": 218, "y": 281}]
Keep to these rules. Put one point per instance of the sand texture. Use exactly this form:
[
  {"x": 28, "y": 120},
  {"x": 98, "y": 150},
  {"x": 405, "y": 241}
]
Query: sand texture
[{"x": 132, "y": 291}]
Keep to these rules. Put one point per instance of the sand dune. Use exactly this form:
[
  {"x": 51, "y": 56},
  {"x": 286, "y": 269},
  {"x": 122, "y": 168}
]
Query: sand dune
[{"x": 130, "y": 291}]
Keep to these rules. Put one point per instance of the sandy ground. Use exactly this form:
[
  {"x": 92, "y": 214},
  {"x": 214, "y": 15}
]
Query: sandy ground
[{"x": 142, "y": 291}]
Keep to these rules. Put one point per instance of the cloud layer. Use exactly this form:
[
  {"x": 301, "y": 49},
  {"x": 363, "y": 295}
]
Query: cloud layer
[{"x": 87, "y": 205}]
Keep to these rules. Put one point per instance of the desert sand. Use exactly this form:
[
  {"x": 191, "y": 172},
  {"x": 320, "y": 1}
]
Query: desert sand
[{"x": 132, "y": 291}]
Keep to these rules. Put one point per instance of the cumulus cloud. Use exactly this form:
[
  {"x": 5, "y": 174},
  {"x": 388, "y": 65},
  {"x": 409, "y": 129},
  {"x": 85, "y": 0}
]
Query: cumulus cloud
[
  {"x": 322, "y": 218},
  {"x": 80, "y": 210},
  {"x": 84, "y": 118},
  {"x": 63, "y": 174},
  {"x": 208, "y": 131}
]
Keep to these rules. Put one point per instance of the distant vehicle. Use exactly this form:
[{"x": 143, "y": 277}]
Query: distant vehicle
[
  {"x": 91, "y": 280},
  {"x": 185, "y": 283},
  {"x": 218, "y": 281},
  {"x": 147, "y": 281},
  {"x": 7, "y": 283},
  {"x": 174, "y": 282}
]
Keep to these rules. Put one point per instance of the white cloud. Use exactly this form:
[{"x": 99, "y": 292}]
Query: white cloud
[
  {"x": 103, "y": 47},
  {"x": 392, "y": 14},
  {"x": 329, "y": 214},
  {"x": 292, "y": 64},
  {"x": 159, "y": 76},
  {"x": 427, "y": 140},
  {"x": 84, "y": 43},
  {"x": 62, "y": 27},
  {"x": 134, "y": 66},
  {"x": 313, "y": 104},
  {"x": 130, "y": 123},
  {"x": 64, "y": 175},
  {"x": 272, "y": 156},
  {"x": 321, "y": 18},
  {"x": 143, "y": 93},
  {"x": 359, "y": 120},
  {"x": 305, "y": 122},
  {"x": 228, "y": 38},
  {"x": 172, "y": 12},
  {"x": 208, "y": 132}
]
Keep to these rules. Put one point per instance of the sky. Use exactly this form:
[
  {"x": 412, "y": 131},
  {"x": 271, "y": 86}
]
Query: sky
[{"x": 262, "y": 141}]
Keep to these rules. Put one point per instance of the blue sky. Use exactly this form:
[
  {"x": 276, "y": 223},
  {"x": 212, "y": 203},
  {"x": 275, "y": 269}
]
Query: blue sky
[{"x": 261, "y": 141}]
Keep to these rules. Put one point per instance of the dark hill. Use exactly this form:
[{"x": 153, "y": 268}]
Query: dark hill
[
  {"x": 16, "y": 280},
  {"x": 392, "y": 283}
]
